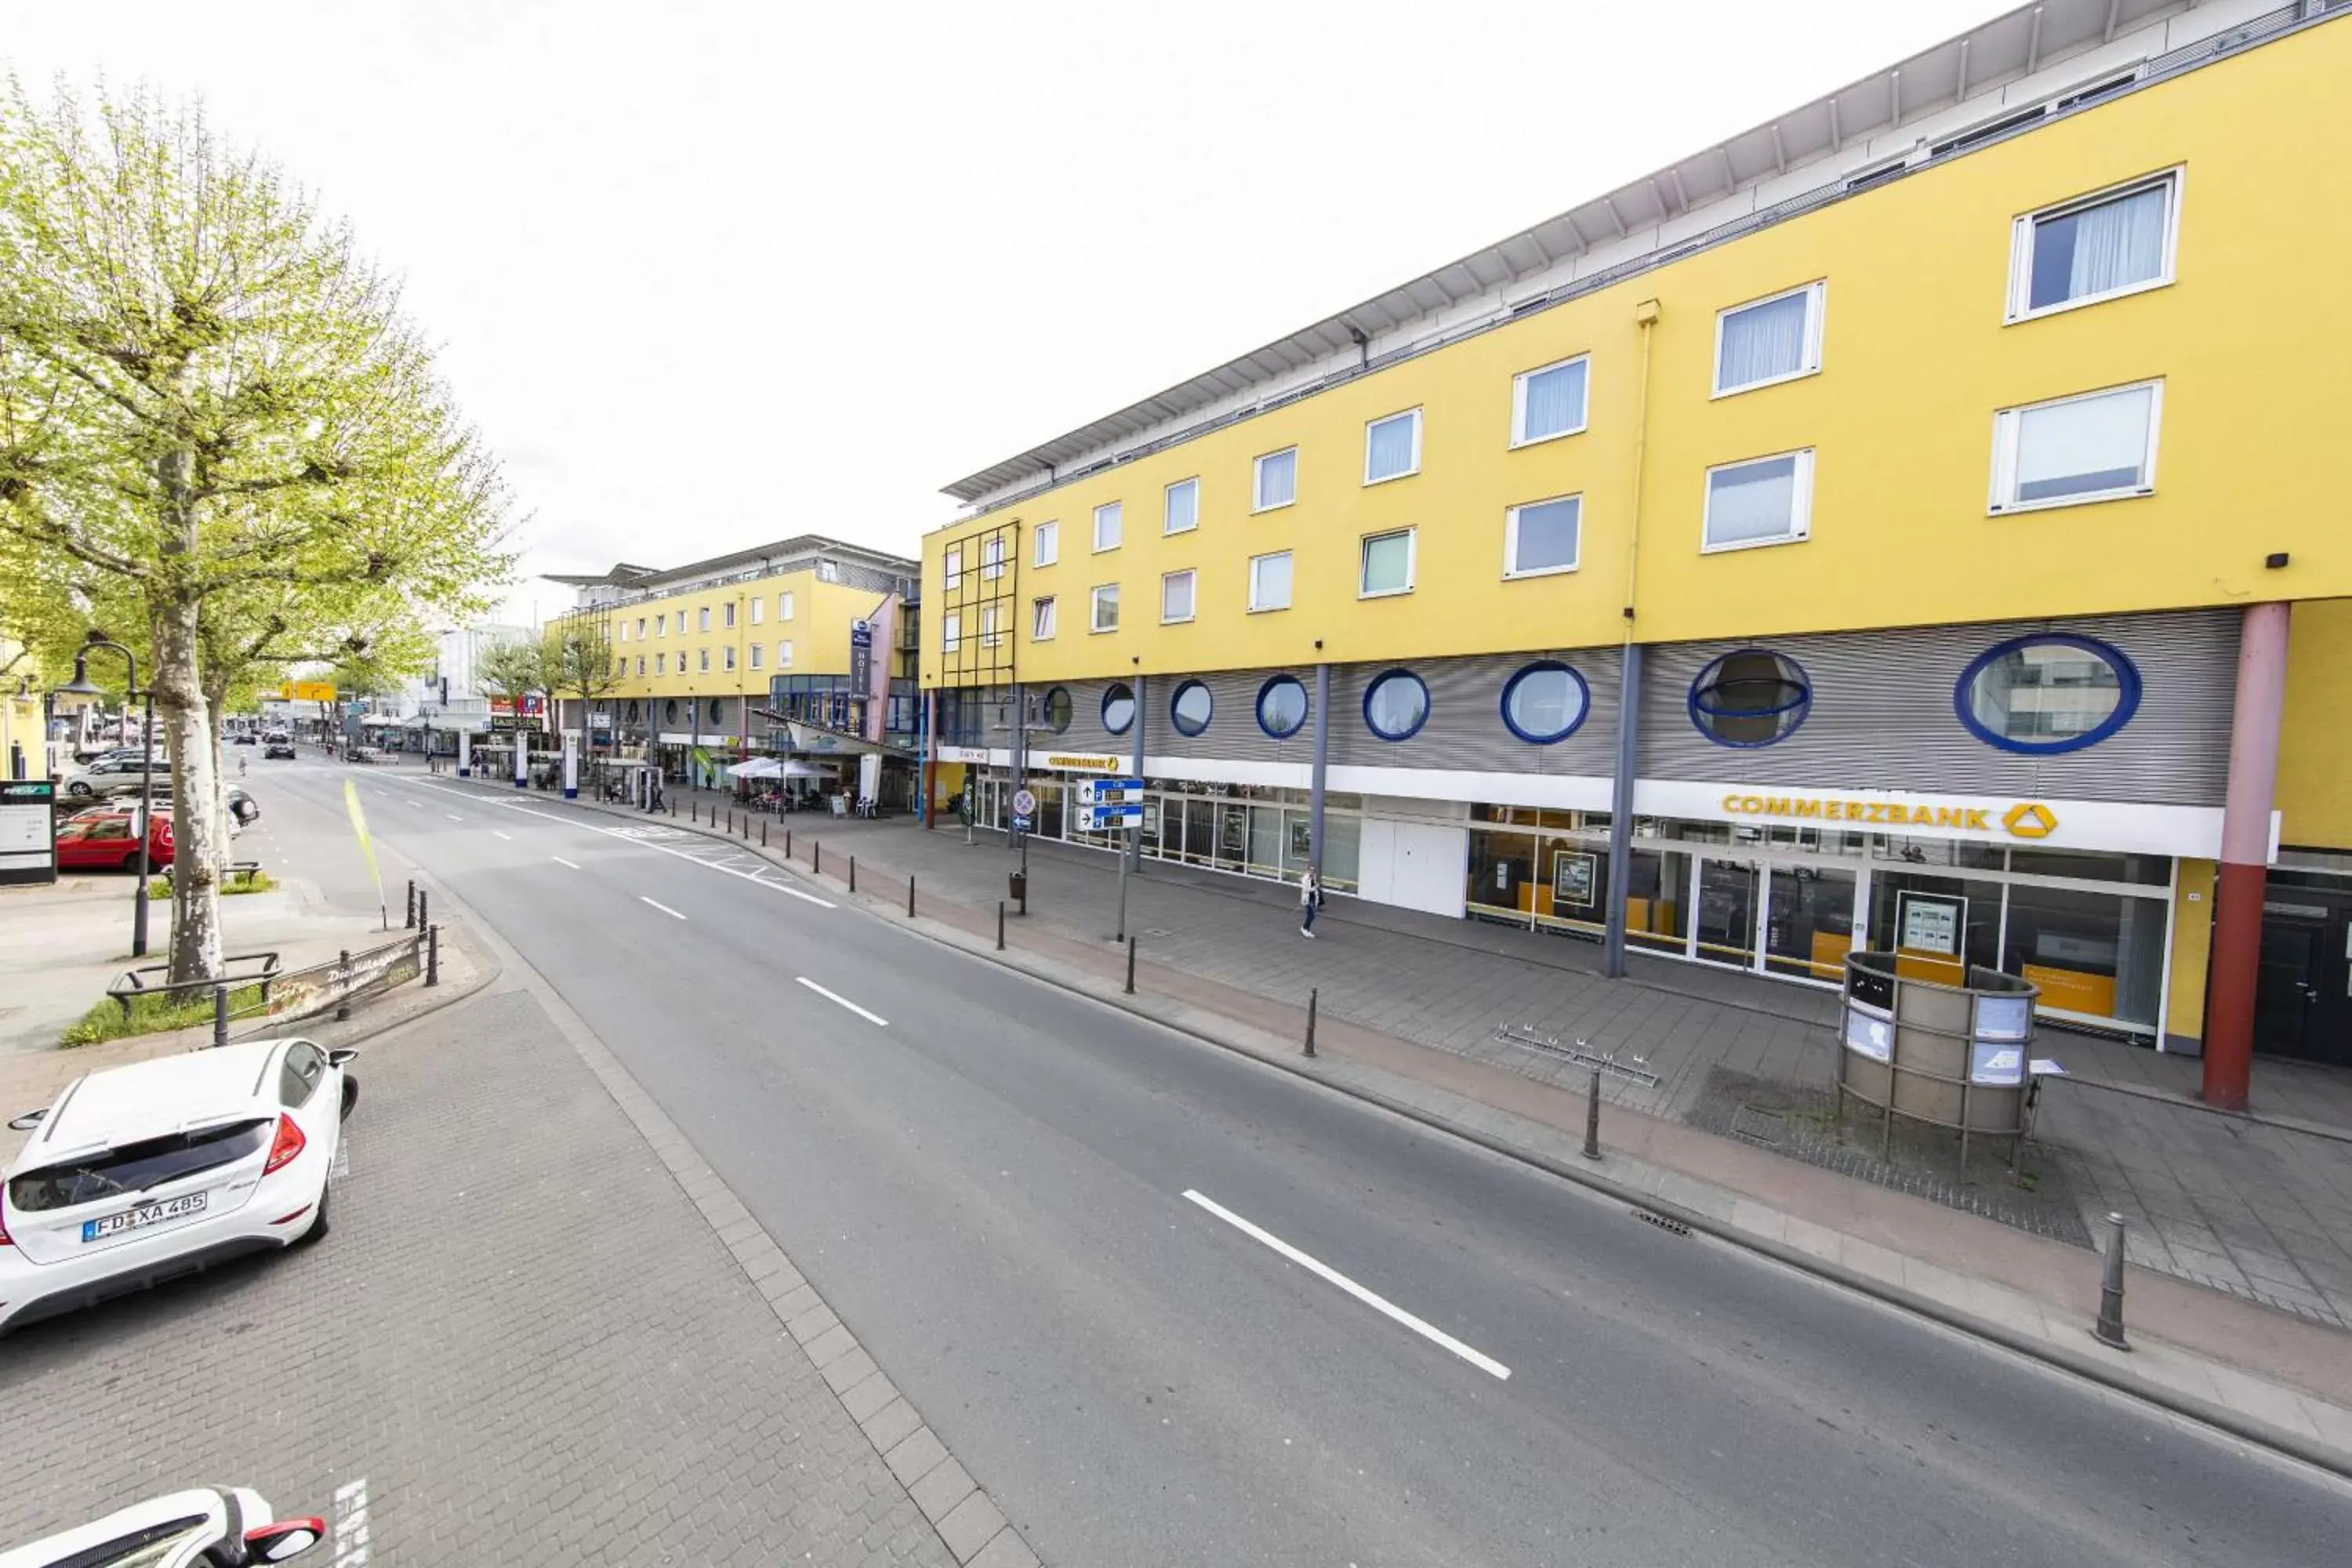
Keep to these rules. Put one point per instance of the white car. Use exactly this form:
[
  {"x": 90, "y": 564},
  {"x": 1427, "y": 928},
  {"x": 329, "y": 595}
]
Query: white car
[
  {"x": 141, "y": 1173},
  {"x": 205, "y": 1527}
]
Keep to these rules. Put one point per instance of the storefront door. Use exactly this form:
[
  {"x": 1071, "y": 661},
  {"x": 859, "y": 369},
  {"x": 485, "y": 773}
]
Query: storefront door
[
  {"x": 1730, "y": 899},
  {"x": 2302, "y": 995},
  {"x": 1808, "y": 922}
]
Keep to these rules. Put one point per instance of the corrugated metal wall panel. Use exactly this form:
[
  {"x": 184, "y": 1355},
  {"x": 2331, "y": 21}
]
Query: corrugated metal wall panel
[
  {"x": 1882, "y": 714},
  {"x": 1465, "y": 727}
]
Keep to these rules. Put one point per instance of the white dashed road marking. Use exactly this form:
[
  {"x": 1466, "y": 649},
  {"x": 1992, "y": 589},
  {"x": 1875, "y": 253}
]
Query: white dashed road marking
[
  {"x": 507, "y": 836},
  {"x": 844, "y": 1001},
  {"x": 561, "y": 861},
  {"x": 662, "y": 907},
  {"x": 1325, "y": 1271}
]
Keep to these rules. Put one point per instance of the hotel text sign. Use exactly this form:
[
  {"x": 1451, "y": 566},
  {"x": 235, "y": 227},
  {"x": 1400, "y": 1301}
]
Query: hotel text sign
[{"x": 2026, "y": 819}]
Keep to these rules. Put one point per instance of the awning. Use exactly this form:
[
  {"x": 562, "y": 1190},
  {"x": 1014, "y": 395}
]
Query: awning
[{"x": 757, "y": 768}]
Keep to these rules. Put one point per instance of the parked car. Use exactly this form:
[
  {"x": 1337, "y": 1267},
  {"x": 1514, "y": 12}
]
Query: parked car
[
  {"x": 278, "y": 746},
  {"x": 107, "y": 839},
  {"x": 245, "y": 738},
  {"x": 114, "y": 775},
  {"x": 205, "y": 1527},
  {"x": 142, "y": 1173}
]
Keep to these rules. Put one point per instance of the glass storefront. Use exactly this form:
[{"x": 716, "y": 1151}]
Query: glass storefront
[{"x": 1248, "y": 830}]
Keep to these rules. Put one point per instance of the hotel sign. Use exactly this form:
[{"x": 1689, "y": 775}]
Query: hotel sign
[{"x": 2026, "y": 819}]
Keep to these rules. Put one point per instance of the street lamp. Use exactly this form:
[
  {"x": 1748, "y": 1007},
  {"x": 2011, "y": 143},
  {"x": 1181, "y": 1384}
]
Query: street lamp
[{"x": 83, "y": 690}]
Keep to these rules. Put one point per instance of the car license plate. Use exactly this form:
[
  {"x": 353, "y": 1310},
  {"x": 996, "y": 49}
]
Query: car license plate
[{"x": 145, "y": 1215}]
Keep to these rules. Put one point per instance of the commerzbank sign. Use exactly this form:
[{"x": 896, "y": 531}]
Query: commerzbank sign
[{"x": 2026, "y": 819}]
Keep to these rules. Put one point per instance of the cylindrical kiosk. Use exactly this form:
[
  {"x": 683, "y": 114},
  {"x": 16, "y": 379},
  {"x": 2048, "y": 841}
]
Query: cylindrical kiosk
[{"x": 1954, "y": 1056}]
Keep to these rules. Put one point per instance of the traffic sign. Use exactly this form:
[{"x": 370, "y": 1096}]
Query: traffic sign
[
  {"x": 1025, "y": 803},
  {"x": 1110, "y": 792},
  {"x": 1020, "y": 823},
  {"x": 1104, "y": 818}
]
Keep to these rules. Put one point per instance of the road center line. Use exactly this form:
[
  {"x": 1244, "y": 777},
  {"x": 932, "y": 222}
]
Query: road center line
[
  {"x": 453, "y": 816},
  {"x": 507, "y": 836},
  {"x": 662, "y": 907},
  {"x": 844, "y": 1001},
  {"x": 1376, "y": 1302},
  {"x": 561, "y": 861}
]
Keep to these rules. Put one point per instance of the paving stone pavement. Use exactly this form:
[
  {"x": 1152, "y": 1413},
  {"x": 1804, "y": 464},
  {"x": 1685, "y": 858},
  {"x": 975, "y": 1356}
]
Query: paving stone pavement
[{"x": 515, "y": 1377}]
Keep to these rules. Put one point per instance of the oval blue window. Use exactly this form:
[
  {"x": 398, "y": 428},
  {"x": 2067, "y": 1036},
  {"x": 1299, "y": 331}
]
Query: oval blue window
[
  {"x": 1396, "y": 705},
  {"x": 1751, "y": 697},
  {"x": 2047, "y": 693},
  {"x": 1189, "y": 709},
  {"x": 1117, "y": 707},
  {"x": 1545, "y": 702},
  {"x": 1056, "y": 709},
  {"x": 1281, "y": 707}
]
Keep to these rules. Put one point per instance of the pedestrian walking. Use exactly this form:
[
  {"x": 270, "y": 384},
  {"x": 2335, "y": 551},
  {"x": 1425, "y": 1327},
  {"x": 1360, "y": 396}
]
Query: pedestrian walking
[{"x": 1310, "y": 899}]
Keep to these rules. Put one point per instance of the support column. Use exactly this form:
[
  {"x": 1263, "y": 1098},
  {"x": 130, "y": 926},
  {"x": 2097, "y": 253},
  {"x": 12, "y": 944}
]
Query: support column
[
  {"x": 1322, "y": 764},
  {"x": 2245, "y": 851},
  {"x": 1620, "y": 810},
  {"x": 927, "y": 765},
  {"x": 1142, "y": 718}
]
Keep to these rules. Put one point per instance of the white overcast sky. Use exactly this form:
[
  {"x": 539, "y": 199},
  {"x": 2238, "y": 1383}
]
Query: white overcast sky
[{"x": 709, "y": 273}]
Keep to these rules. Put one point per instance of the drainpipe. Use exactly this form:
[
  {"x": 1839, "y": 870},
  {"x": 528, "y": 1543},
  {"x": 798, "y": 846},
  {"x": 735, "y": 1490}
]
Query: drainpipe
[
  {"x": 1628, "y": 697},
  {"x": 2245, "y": 851},
  {"x": 1322, "y": 764}
]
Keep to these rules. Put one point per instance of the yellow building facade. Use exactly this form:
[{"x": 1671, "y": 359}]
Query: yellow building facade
[{"x": 1888, "y": 486}]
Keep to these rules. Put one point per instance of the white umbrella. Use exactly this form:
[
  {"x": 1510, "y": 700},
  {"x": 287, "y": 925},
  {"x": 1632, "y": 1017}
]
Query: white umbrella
[{"x": 757, "y": 768}]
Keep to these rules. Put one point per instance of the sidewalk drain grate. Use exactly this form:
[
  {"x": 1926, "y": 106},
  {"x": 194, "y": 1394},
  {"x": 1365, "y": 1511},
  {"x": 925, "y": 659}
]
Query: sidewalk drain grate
[
  {"x": 1671, "y": 1226},
  {"x": 1765, "y": 1127}
]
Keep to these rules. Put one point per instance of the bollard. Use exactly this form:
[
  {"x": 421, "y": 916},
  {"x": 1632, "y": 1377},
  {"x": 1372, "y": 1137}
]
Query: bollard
[
  {"x": 432, "y": 955},
  {"x": 343, "y": 972},
  {"x": 816, "y": 857},
  {"x": 1131, "y": 966},
  {"x": 1314, "y": 993},
  {"x": 423, "y": 904},
  {"x": 788, "y": 843},
  {"x": 1000, "y": 925},
  {"x": 910, "y": 897},
  {"x": 672, "y": 810},
  {"x": 2110, "y": 1329},
  {"x": 692, "y": 808},
  {"x": 220, "y": 1015},
  {"x": 1592, "y": 1118},
  {"x": 410, "y": 923},
  {"x": 747, "y": 830},
  {"x": 852, "y": 873},
  {"x": 763, "y": 836}
]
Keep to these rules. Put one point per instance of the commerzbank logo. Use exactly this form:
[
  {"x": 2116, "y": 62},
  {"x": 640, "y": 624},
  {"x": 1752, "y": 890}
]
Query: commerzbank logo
[{"x": 2026, "y": 819}]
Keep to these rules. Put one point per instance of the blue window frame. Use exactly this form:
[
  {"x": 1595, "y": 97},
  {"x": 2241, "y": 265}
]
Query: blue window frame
[
  {"x": 1546, "y": 703},
  {"x": 2046, "y": 693},
  {"x": 1750, "y": 697},
  {"x": 1281, "y": 707},
  {"x": 1396, "y": 705},
  {"x": 1117, "y": 707},
  {"x": 1189, "y": 709}
]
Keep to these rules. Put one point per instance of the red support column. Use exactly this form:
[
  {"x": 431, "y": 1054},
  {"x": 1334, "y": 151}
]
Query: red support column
[{"x": 2245, "y": 851}]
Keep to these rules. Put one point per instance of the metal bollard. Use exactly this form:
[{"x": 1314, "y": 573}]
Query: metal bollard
[
  {"x": 747, "y": 830},
  {"x": 672, "y": 810},
  {"x": 424, "y": 906},
  {"x": 220, "y": 1015},
  {"x": 910, "y": 897},
  {"x": 693, "y": 810},
  {"x": 1313, "y": 994},
  {"x": 788, "y": 843},
  {"x": 343, "y": 972},
  {"x": 1131, "y": 966},
  {"x": 1000, "y": 925},
  {"x": 432, "y": 955},
  {"x": 410, "y": 923},
  {"x": 2110, "y": 1329},
  {"x": 1592, "y": 1118},
  {"x": 816, "y": 857},
  {"x": 763, "y": 836},
  {"x": 852, "y": 873}
]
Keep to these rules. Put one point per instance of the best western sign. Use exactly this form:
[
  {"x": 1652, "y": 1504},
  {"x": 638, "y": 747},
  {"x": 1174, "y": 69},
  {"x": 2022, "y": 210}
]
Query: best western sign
[{"x": 2026, "y": 819}]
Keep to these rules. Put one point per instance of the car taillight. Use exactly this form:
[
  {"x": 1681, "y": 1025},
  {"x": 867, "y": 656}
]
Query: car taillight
[{"x": 286, "y": 1146}]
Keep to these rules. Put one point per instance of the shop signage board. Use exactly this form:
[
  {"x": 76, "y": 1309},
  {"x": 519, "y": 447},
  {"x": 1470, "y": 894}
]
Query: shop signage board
[
  {"x": 1073, "y": 763},
  {"x": 1931, "y": 923},
  {"x": 861, "y": 655},
  {"x": 28, "y": 846},
  {"x": 1573, "y": 876}
]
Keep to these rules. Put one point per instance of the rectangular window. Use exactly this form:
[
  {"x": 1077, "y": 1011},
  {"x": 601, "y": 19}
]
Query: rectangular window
[
  {"x": 784, "y": 654},
  {"x": 1387, "y": 565},
  {"x": 641, "y": 664},
  {"x": 620, "y": 668},
  {"x": 759, "y": 609},
  {"x": 1541, "y": 537},
  {"x": 1176, "y": 596},
  {"x": 727, "y": 658},
  {"x": 1049, "y": 543},
  {"x": 951, "y": 632},
  {"x": 989, "y": 637},
  {"x": 681, "y": 623},
  {"x": 952, "y": 568},
  {"x": 1768, "y": 340},
  {"x": 624, "y": 631},
  {"x": 1106, "y": 608},
  {"x": 2100, "y": 446},
  {"x": 702, "y": 619},
  {"x": 828, "y": 570},
  {"x": 1548, "y": 402},
  {"x": 1393, "y": 446},
  {"x": 1269, "y": 581},
  {"x": 1182, "y": 512},
  {"x": 2102, "y": 247},
  {"x": 1107, "y": 526},
  {"x": 991, "y": 557},
  {"x": 661, "y": 664},
  {"x": 759, "y": 650},
  {"x": 728, "y": 618},
  {"x": 784, "y": 606},
  {"x": 1275, "y": 482},
  {"x": 661, "y": 625},
  {"x": 705, "y": 662},
  {"x": 641, "y": 628},
  {"x": 1041, "y": 621},
  {"x": 1767, "y": 501}
]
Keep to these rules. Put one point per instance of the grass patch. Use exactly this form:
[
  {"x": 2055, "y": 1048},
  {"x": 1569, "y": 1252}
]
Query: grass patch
[
  {"x": 159, "y": 890},
  {"x": 106, "y": 1019}
]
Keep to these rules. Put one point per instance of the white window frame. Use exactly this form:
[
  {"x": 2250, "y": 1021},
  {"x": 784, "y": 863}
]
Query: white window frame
[
  {"x": 1412, "y": 562},
  {"x": 1257, "y": 486},
  {"x": 2020, "y": 246},
  {"x": 952, "y": 568},
  {"x": 1801, "y": 504},
  {"x": 991, "y": 558},
  {"x": 727, "y": 656},
  {"x": 624, "y": 631},
  {"x": 1259, "y": 608},
  {"x": 1512, "y": 574},
  {"x": 991, "y": 625},
  {"x": 785, "y": 605},
  {"x": 759, "y": 608},
  {"x": 1519, "y": 436},
  {"x": 1816, "y": 308},
  {"x": 2009, "y": 423},
  {"x": 703, "y": 664},
  {"x": 1046, "y": 544},
  {"x": 784, "y": 654},
  {"x": 1168, "y": 509},
  {"x": 758, "y": 651},
  {"x": 661, "y": 625},
  {"x": 1094, "y": 608},
  {"x": 1042, "y": 613},
  {"x": 702, "y": 618},
  {"x": 727, "y": 615},
  {"x": 641, "y": 628},
  {"x": 660, "y": 664},
  {"x": 951, "y": 632},
  {"x": 1117, "y": 510},
  {"x": 1192, "y": 586},
  {"x": 641, "y": 667},
  {"x": 681, "y": 623},
  {"x": 1372, "y": 425}
]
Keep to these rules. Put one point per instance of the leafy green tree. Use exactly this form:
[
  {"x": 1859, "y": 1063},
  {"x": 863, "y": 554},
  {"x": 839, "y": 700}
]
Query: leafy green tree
[
  {"x": 213, "y": 409},
  {"x": 577, "y": 663}
]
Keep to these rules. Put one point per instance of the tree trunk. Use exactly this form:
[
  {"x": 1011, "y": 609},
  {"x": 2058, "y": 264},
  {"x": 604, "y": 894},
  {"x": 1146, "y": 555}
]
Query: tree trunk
[
  {"x": 186, "y": 720},
  {"x": 216, "y": 706}
]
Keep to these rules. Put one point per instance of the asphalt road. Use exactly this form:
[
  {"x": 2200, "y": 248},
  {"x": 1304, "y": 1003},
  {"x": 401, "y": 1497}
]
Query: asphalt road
[{"x": 1174, "y": 1308}]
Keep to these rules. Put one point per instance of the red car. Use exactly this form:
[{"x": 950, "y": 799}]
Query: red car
[{"x": 105, "y": 840}]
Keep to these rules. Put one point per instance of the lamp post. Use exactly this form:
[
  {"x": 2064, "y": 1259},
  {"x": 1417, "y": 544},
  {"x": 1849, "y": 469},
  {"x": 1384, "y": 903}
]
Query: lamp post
[{"x": 83, "y": 688}]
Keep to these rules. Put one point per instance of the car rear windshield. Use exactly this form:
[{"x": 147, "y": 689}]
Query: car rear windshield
[{"x": 135, "y": 1167}]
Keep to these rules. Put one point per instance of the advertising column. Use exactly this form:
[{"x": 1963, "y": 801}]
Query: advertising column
[
  {"x": 465, "y": 754},
  {"x": 571, "y": 765}
]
